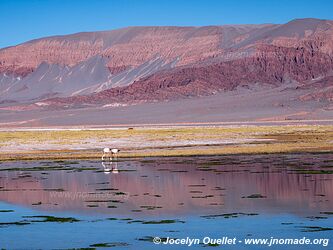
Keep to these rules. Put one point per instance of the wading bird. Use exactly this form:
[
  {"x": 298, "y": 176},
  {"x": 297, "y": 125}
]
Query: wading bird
[{"x": 110, "y": 152}]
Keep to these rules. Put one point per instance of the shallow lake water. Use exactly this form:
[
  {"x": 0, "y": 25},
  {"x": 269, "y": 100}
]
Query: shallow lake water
[{"x": 125, "y": 204}]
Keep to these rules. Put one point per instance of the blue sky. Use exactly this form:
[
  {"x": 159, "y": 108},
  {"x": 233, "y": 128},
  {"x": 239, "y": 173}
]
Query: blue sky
[{"x": 23, "y": 20}]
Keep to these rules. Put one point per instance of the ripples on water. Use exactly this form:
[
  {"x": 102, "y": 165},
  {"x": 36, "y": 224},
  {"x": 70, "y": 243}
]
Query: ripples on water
[{"x": 127, "y": 202}]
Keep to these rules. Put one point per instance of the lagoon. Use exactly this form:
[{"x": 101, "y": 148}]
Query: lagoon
[{"x": 126, "y": 203}]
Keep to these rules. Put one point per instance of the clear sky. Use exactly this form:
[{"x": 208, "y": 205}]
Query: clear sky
[{"x": 23, "y": 20}]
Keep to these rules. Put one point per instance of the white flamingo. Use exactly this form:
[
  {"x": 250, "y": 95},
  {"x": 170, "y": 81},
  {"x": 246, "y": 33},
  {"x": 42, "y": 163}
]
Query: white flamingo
[{"x": 110, "y": 152}]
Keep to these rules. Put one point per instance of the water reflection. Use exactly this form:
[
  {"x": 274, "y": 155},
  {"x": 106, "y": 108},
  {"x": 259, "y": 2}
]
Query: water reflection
[
  {"x": 269, "y": 184},
  {"x": 110, "y": 166}
]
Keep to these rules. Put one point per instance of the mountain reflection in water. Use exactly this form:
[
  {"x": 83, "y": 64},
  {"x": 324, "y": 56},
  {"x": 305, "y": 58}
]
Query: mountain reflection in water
[{"x": 168, "y": 186}]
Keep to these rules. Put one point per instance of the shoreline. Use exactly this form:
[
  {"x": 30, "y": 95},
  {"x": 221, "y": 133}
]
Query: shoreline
[
  {"x": 93, "y": 156},
  {"x": 165, "y": 141}
]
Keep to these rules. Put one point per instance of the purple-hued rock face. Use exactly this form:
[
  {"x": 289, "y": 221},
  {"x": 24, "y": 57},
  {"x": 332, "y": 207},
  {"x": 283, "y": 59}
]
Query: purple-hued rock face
[{"x": 145, "y": 64}]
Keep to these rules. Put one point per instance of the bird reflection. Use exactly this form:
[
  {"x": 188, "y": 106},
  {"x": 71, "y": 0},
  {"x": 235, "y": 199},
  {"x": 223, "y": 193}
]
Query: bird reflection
[{"x": 110, "y": 167}]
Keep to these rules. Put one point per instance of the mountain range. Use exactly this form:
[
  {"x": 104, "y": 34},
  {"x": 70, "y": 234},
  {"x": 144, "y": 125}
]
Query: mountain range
[{"x": 133, "y": 66}]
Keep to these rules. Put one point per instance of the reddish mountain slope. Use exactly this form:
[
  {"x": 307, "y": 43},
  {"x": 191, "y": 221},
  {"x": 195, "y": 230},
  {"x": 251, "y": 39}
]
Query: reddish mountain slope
[
  {"x": 273, "y": 65},
  {"x": 139, "y": 64}
]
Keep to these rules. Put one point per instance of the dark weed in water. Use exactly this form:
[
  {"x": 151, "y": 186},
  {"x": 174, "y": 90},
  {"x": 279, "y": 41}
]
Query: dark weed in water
[
  {"x": 215, "y": 204},
  {"x": 196, "y": 192},
  {"x": 46, "y": 218},
  {"x": 92, "y": 206},
  {"x": 112, "y": 244},
  {"x": 228, "y": 215},
  {"x": 17, "y": 223},
  {"x": 120, "y": 193},
  {"x": 327, "y": 213},
  {"x": 126, "y": 219},
  {"x": 107, "y": 189},
  {"x": 102, "y": 201},
  {"x": 202, "y": 197},
  {"x": 314, "y": 171},
  {"x": 150, "y": 207},
  {"x": 37, "y": 204},
  {"x": 151, "y": 239},
  {"x": 83, "y": 248},
  {"x": 212, "y": 245},
  {"x": 316, "y": 217},
  {"x": 255, "y": 196},
  {"x": 111, "y": 219},
  {"x": 157, "y": 222},
  {"x": 315, "y": 229}
]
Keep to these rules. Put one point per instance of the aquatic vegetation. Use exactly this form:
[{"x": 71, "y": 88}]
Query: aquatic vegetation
[
  {"x": 112, "y": 244},
  {"x": 315, "y": 229},
  {"x": 212, "y": 245},
  {"x": 328, "y": 213},
  {"x": 157, "y": 221},
  {"x": 120, "y": 193},
  {"x": 314, "y": 171},
  {"x": 111, "y": 219},
  {"x": 227, "y": 215},
  {"x": 316, "y": 217},
  {"x": 202, "y": 197},
  {"x": 150, "y": 239},
  {"x": 147, "y": 207},
  {"x": 37, "y": 203},
  {"x": 17, "y": 223},
  {"x": 92, "y": 206},
  {"x": 163, "y": 222},
  {"x": 6, "y": 211},
  {"x": 255, "y": 196},
  {"x": 47, "y": 218},
  {"x": 107, "y": 189},
  {"x": 101, "y": 201}
]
